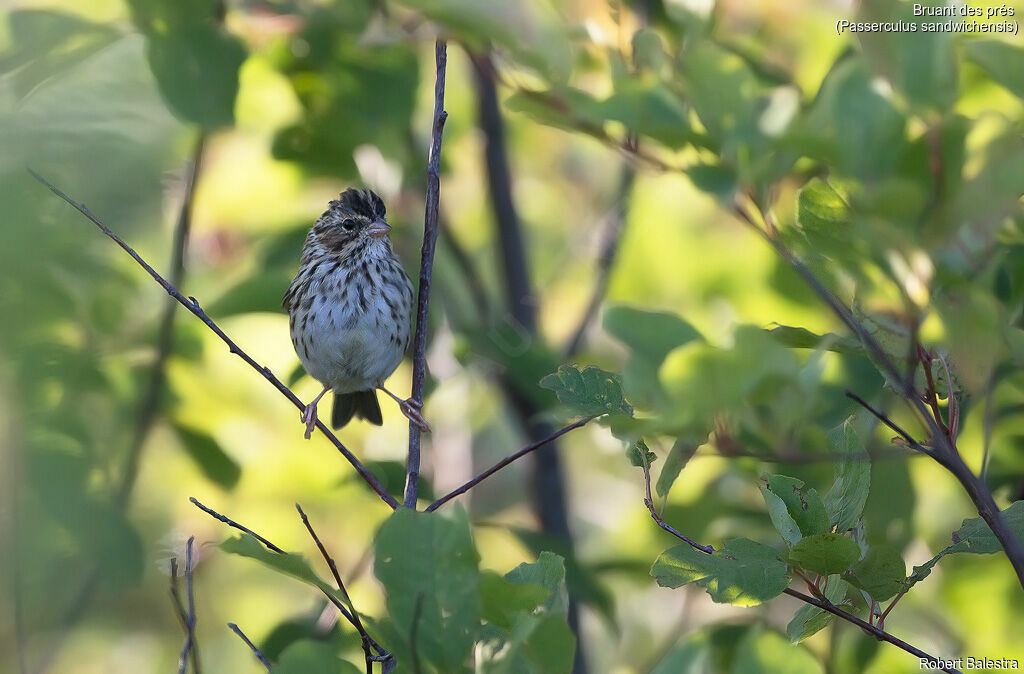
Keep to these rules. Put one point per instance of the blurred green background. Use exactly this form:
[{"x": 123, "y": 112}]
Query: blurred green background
[{"x": 294, "y": 101}]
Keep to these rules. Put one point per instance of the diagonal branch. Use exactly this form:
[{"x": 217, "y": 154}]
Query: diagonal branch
[
  {"x": 823, "y": 604},
  {"x": 192, "y": 305},
  {"x": 255, "y": 651},
  {"x": 273, "y": 548},
  {"x": 367, "y": 641},
  {"x": 506, "y": 461},
  {"x": 430, "y": 230},
  {"x": 945, "y": 451}
]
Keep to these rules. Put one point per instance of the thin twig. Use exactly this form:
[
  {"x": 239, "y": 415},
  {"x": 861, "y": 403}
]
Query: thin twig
[
  {"x": 547, "y": 480},
  {"x": 822, "y": 603},
  {"x": 430, "y": 230},
  {"x": 610, "y": 241},
  {"x": 255, "y": 651},
  {"x": 884, "y": 418},
  {"x": 231, "y": 523},
  {"x": 192, "y": 305},
  {"x": 187, "y": 616},
  {"x": 506, "y": 461},
  {"x": 945, "y": 451},
  {"x": 649, "y": 502},
  {"x": 367, "y": 641},
  {"x": 340, "y": 605},
  {"x": 149, "y": 404},
  {"x": 873, "y": 630},
  {"x": 189, "y": 564}
]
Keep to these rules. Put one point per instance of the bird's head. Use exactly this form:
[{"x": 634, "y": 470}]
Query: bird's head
[{"x": 352, "y": 222}]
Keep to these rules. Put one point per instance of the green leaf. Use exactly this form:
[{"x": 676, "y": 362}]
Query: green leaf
[
  {"x": 535, "y": 636},
  {"x": 196, "y": 68},
  {"x": 715, "y": 179},
  {"x": 803, "y": 504},
  {"x": 845, "y": 501},
  {"x": 650, "y": 336},
  {"x": 881, "y": 573},
  {"x": 682, "y": 451},
  {"x": 312, "y": 657},
  {"x": 743, "y": 572},
  {"x": 427, "y": 563},
  {"x": 588, "y": 392},
  {"x": 207, "y": 453},
  {"x": 920, "y": 63},
  {"x": 339, "y": 115},
  {"x": 549, "y": 572},
  {"x": 978, "y": 538},
  {"x": 802, "y": 338},
  {"x": 501, "y": 599},
  {"x": 781, "y": 519},
  {"x": 287, "y": 563},
  {"x": 650, "y": 109},
  {"x": 1004, "y": 62},
  {"x": 826, "y": 554},
  {"x": 766, "y": 652},
  {"x": 853, "y": 123},
  {"x": 810, "y": 619},
  {"x": 638, "y": 452}
]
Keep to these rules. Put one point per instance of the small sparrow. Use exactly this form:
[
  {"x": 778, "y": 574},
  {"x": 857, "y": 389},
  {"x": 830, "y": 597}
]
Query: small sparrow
[{"x": 349, "y": 307}]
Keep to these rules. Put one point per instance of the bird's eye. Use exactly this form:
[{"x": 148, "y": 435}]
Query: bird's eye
[{"x": 348, "y": 225}]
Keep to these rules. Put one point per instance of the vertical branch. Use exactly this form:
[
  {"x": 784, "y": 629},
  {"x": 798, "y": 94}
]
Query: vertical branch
[
  {"x": 187, "y": 616},
  {"x": 547, "y": 483},
  {"x": 412, "y": 470},
  {"x": 610, "y": 241},
  {"x": 150, "y": 401}
]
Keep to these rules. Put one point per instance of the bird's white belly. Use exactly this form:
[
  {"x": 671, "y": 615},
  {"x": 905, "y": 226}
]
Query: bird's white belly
[{"x": 349, "y": 350}]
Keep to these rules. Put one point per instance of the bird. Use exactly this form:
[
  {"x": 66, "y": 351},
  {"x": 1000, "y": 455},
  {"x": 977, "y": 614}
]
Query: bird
[{"x": 349, "y": 309}]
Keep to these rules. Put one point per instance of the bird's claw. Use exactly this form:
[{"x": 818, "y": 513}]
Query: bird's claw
[
  {"x": 411, "y": 409},
  {"x": 309, "y": 418}
]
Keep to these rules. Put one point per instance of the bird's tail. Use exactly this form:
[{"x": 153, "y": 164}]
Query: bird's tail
[{"x": 361, "y": 404}]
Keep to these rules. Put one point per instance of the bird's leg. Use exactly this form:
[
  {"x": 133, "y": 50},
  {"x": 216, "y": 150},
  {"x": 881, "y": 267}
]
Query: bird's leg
[
  {"x": 309, "y": 413},
  {"x": 411, "y": 409}
]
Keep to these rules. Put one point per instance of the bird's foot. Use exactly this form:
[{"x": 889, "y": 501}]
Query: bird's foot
[
  {"x": 309, "y": 418},
  {"x": 411, "y": 409}
]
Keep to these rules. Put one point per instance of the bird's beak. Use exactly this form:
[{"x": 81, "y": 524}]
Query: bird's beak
[{"x": 378, "y": 229}]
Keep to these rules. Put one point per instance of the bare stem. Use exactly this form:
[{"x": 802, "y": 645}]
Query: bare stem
[
  {"x": 192, "y": 305},
  {"x": 190, "y": 649},
  {"x": 255, "y": 651},
  {"x": 506, "y": 461},
  {"x": 821, "y": 603},
  {"x": 611, "y": 239},
  {"x": 430, "y": 230},
  {"x": 340, "y": 605},
  {"x": 367, "y": 641}
]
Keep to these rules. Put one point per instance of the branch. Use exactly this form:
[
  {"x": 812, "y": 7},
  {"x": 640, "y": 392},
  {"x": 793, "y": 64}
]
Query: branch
[
  {"x": 876, "y": 632},
  {"x": 945, "y": 451},
  {"x": 649, "y": 502},
  {"x": 190, "y": 649},
  {"x": 255, "y": 651},
  {"x": 367, "y": 641},
  {"x": 506, "y": 461},
  {"x": 884, "y": 418},
  {"x": 419, "y": 348},
  {"x": 823, "y": 604},
  {"x": 547, "y": 482},
  {"x": 605, "y": 260},
  {"x": 273, "y": 548},
  {"x": 192, "y": 305},
  {"x": 150, "y": 402}
]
